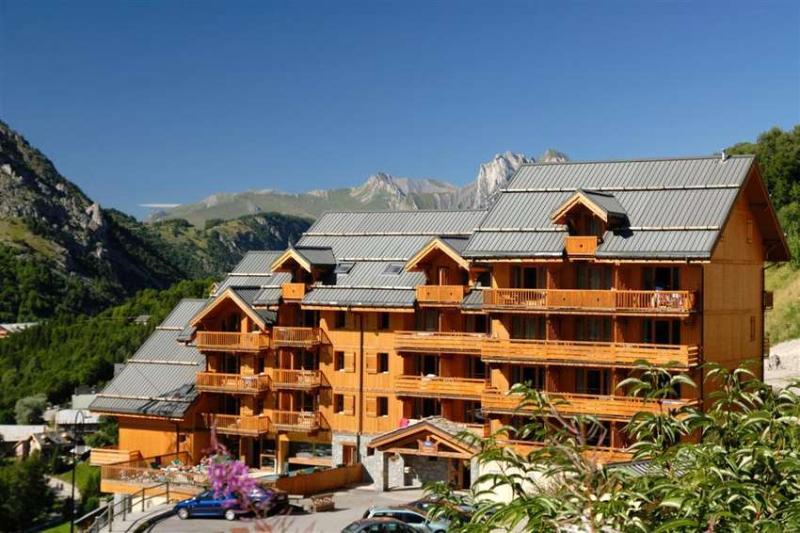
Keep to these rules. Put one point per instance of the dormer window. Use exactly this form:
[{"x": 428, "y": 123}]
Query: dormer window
[
  {"x": 588, "y": 213},
  {"x": 344, "y": 268}
]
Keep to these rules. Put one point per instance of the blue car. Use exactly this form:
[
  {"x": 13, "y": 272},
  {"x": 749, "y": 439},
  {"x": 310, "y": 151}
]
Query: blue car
[{"x": 228, "y": 506}]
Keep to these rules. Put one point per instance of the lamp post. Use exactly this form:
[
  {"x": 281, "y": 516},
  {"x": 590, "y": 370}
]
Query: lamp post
[{"x": 78, "y": 414}]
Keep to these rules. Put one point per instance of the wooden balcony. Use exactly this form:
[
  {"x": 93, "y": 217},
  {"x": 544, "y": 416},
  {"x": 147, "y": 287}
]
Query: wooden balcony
[
  {"x": 293, "y": 291},
  {"x": 586, "y": 352},
  {"x": 296, "y": 379},
  {"x": 438, "y": 342},
  {"x": 246, "y": 425},
  {"x": 589, "y": 301},
  {"x": 232, "y": 383},
  {"x": 296, "y": 337},
  {"x": 599, "y": 454},
  {"x": 440, "y": 295},
  {"x": 226, "y": 341},
  {"x": 438, "y": 387},
  {"x": 109, "y": 456},
  {"x": 299, "y": 421},
  {"x": 580, "y": 246},
  {"x": 604, "y": 407}
]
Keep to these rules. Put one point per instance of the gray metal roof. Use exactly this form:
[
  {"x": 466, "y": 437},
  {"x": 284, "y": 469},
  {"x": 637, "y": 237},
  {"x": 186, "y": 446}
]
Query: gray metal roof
[
  {"x": 319, "y": 256},
  {"x": 675, "y": 207},
  {"x": 373, "y": 274},
  {"x": 256, "y": 262},
  {"x": 182, "y": 313},
  {"x": 275, "y": 279},
  {"x": 370, "y": 247},
  {"x": 456, "y": 243},
  {"x": 268, "y": 296},
  {"x": 332, "y": 296},
  {"x": 161, "y": 372},
  {"x": 605, "y": 201},
  {"x": 454, "y": 222},
  {"x": 617, "y": 175},
  {"x": 473, "y": 299}
]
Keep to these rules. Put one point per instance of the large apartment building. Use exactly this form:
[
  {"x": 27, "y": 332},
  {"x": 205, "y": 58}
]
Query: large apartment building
[{"x": 379, "y": 336}]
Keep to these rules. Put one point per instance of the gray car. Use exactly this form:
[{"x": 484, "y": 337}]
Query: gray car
[
  {"x": 414, "y": 518},
  {"x": 378, "y": 525}
]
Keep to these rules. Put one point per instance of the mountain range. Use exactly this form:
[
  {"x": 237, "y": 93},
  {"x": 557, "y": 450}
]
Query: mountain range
[{"x": 380, "y": 191}]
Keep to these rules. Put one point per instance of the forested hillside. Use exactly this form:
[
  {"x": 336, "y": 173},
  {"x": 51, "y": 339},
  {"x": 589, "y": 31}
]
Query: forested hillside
[{"x": 70, "y": 350}]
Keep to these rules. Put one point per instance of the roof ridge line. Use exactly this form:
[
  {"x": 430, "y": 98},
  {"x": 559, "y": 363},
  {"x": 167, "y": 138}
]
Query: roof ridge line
[
  {"x": 623, "y": 188},
  {"x": 642, "y": 160}
]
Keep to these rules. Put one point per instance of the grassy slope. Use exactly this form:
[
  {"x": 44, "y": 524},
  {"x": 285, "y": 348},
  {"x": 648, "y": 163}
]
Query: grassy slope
[
  {"x": 783, "y": 322},
  {"x": 82, "y": 474}
]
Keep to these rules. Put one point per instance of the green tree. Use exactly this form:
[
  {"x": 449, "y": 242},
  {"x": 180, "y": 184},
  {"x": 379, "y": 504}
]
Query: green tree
[
  {"x": 740, "y": 473},
  {"x": 25, "y": 496},
  {"x": 29, "y": 410}
]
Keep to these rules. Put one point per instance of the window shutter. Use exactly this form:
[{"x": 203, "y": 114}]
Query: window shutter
[
  {"x": 372, "y": 406},
  {"x": 372, "y": 363},
  {"x": 349, "y": 405},
  {"x": 349, "y": 362}
]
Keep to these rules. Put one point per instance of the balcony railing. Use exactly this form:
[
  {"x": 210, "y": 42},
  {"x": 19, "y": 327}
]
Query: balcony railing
[
  {"x": 153, "y": 470},
  {"x": 438, "y": 387},
  {"x": 599, "y": 454},
  {"x": 581, "y": 246},
  {"x": 296, "y": 379},
  {"x": 435, "y": 341},
  {"x": 300, "y": 421},
  {"x": 440, "y": 295},
  {"x": 591, "y": 300},
  {"x": 287, "y": 337},
  {"x": 233, "y": 383},
  {"x": 293, "y": 291},
  {"x": 606, "y": 407},
  {"x": 232, "y": 342},
  {"x": 585, "y": 352},
  {"x": 248, "y": 425}
]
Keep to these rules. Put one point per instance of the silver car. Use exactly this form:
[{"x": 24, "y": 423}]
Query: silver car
[{"x": 418, "y": 520}]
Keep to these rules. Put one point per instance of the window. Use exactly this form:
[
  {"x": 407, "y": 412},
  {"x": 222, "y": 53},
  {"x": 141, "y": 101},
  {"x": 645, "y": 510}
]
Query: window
[
  {"x": 662, "y": 331},
  {"x": 476, "y": 323},
  {"x": 428, "y": 365},
  {"x": 393, "y": 269},
  {"x": 592, "y": 381},
  {"x": 383, "y": 406},
  {"x": 338, "y": 403},
  {"x": 527, "y": 327},
  {"x": 526, "y": 278},
  {"x": 338, "y": 361},
  {"x": 532, "y": 376},
  {"x": 425, "y": 407},
  {"x": 661, "y": 278},
  {"x": 593, "y": 329},
  {"x": 427, "y": 320},
  {"x": 340, "y": 320},
  {"x": 594, "y": 277},
  {"x": 383, "y": 362},
  {"x": 343, "y": 268},
  {"x": 484, "y": 279},
  {"x": 476, "y": 368},
  {"x": 383, "y": 321}
]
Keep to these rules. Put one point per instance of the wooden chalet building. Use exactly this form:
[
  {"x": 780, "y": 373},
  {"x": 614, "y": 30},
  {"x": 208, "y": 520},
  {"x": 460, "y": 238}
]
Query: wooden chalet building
[{"x": 379, "y": 336}]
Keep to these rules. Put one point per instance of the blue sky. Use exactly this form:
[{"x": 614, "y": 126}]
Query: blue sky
[{"x": 166, "y": 101}]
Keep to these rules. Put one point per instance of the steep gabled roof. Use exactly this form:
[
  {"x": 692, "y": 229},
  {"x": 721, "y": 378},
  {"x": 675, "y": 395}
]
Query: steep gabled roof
[
  {"x": 676, "y": 208},
  {"x": 450, "y": 247},
  {"x": 603, "y": 204}
]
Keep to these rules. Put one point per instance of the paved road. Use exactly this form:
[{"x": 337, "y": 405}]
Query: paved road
[
  {"x": 350, "y": 506},
  {"x": 63, "y": 488}
]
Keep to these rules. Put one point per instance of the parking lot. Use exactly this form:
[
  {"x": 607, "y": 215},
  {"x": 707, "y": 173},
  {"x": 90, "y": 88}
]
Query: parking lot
[{"x": 350, "y": 506}]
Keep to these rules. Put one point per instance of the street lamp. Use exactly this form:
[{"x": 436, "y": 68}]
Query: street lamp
[{"x": 78, "y": 413}]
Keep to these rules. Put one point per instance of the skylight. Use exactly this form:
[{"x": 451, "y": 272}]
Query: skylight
[
  {"x": 393, "y": 268},
  {"x": 344, "y": 268}
]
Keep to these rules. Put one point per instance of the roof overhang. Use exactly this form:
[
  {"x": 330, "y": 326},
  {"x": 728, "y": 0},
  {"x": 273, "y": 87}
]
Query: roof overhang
[
  {"x": 424, "y": 438},
  {"x": 436, "y": 245},
  {"x": 230, "y": 295},
  {"x": 291, "y": 254}
]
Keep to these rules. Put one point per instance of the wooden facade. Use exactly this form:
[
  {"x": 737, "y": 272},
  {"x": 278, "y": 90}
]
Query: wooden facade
[{"x": 572, "y": 326}]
